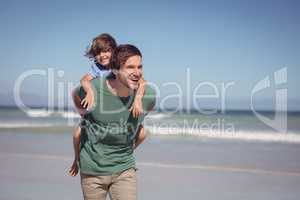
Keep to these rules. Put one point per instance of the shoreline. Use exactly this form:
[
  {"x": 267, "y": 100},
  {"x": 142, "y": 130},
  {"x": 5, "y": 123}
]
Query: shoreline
[{"x": 168, "y": 168}]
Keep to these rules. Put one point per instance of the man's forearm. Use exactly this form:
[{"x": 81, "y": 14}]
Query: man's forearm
[
  {"x": 140, "y": 137},
  {"x": 76, "y": 143}
]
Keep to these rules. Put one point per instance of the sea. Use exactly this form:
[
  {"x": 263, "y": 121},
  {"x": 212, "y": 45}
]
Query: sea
[
  {"x": 242, "y": 125},
  {"x": 229, "y": 155}
]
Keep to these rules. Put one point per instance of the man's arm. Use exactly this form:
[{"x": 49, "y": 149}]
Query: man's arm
[
  {"x": 76, "y": 146},
  {"x": 76, "y": 143},
  {"x": 140, "y": 137}
]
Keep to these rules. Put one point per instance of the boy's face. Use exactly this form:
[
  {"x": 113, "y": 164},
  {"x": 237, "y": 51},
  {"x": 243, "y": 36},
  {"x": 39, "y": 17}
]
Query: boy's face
[
  {"x": 104, "y": 58},
  {"x": 131, "y": 72}
]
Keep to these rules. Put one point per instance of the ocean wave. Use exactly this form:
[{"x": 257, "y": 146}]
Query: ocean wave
[
  {"x": 157, "y": 115},
  {"x": 25, "y": 125},
  {"x": 237, "y": 135},
  {"x": 39, "y": 113},
  {"x": 243, "y": 135},
  {"x": 69, "y": 114}
]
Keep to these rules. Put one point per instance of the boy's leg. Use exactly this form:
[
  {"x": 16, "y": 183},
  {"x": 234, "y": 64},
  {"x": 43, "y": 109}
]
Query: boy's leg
[
  {"x": 77, "y": 131},
  {"x": 94, "y": 187},
  {"x": 123, "y": 185}
]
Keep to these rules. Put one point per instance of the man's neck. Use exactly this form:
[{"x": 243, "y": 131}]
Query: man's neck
[{"x": 117, "y": 88}]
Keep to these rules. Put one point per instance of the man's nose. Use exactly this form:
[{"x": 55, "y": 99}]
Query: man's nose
[{"x": 137, "y": 72}]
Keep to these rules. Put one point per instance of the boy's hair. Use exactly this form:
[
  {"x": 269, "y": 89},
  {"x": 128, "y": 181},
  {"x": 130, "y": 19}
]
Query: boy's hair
[
  {"x": 122, "y": 53},
  {"x": 103, "y": 42}
]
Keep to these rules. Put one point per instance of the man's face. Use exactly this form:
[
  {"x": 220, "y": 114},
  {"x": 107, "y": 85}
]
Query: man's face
[
  {"x": 131, "y": 72},
  {"x": 104, "y": 58}
]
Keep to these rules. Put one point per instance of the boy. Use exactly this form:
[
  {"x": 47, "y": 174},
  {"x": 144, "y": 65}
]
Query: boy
[{"x": 101, "y": 52}]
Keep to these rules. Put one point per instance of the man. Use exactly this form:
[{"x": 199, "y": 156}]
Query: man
[{"x": 109, "y": 131}]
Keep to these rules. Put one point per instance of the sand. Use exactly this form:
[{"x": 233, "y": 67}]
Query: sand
[{"x": 34, "y": 166}]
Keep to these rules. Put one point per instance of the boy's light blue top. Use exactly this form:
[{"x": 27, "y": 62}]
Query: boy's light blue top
[{"x": 98, "y": 70}]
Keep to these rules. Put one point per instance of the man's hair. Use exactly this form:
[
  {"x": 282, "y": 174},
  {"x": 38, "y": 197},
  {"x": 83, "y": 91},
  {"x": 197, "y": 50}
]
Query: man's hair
[
  {"x": 103, "y": 42},
  {"x": 122, "y": 53}
]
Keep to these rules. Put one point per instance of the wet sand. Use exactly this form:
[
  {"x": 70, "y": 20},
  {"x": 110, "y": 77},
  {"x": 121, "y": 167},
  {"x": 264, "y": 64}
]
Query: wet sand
[{"x": 34, "y": 166}]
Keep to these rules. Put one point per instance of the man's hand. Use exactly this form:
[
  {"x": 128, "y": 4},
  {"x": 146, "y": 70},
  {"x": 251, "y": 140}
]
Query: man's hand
[{"x": 74, "y": 169}]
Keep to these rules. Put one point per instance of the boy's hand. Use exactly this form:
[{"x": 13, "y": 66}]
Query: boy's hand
[
  {"x": 74, "y": 169},
  {"x": 136, "y": 108},
  {"x": 88, "y": 101}
]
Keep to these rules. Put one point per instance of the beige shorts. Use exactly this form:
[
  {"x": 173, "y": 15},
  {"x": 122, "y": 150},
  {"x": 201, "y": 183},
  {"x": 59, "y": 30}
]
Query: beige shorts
[{"x": 119, "y": 186}]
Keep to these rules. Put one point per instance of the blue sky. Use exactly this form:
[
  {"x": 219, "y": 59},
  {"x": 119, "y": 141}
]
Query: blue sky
[{"x": 219, "y": 41}]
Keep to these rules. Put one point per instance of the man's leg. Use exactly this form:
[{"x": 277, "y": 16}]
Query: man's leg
[
  {"x": 94, "y": 187},
  {"x": 123, "y": 186}
]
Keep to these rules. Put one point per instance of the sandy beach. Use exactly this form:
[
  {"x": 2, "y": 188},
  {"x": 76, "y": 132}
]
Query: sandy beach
[
  {"x": 34, "y": 166},
  {"x": 214, "y": 83}
]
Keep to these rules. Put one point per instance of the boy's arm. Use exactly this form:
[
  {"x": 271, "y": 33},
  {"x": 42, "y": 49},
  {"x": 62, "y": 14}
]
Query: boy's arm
[
  {"x": 85, "y": 82},
  {"x": 137, "y": 106},
  {"x": 141, "y": 89}
]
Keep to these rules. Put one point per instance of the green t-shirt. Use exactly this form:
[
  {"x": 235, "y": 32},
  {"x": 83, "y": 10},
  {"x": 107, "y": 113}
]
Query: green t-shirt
[{"x": 108, "y": 131}]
